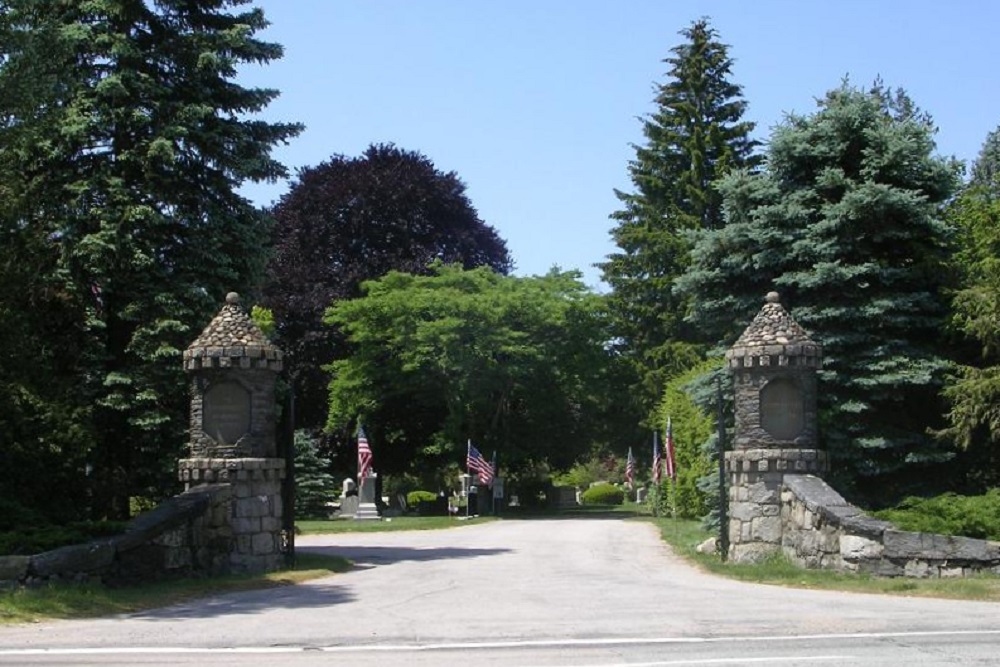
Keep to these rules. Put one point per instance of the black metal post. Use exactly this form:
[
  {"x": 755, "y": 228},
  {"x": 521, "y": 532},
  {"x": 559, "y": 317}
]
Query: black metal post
[
  {"x": 288, "y": 488},
  {"x": 723, "y": 496}
]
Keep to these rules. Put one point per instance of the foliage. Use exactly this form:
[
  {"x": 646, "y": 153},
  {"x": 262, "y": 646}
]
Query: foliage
[
  {"x": 28, "y": 539},
  {"x": 846, "y": 223},
  {"x": 264, "y": 319},
  {"x": 973, "y": 392},
  {"x": 516, "y": 364},
  {"x": 315, "y": 487},
  {"x": 949, "y": 514},
  {"x": 603, "y": 494},
  {"x": 692, "y": 427},
  {"x": 123, "y": 146},
  {"x": 986, "y": 168},
  {"x": 596, "y": 468},
  {"x": 414, "y": 497},
  {"x": 353, "y": 219},
  {"x": 696, "y": 135}
]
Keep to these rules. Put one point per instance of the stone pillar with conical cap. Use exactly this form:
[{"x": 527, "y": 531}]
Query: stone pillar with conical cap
[
  {"x": 233, "y": 426},
  {"x": 774, "y": 365}
]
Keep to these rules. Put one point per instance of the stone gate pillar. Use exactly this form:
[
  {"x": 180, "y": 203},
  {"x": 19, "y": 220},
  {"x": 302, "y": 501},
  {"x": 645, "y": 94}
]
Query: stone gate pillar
[
  {"x": 234, "y": 370},
  {"x": 774, "y": 366}
]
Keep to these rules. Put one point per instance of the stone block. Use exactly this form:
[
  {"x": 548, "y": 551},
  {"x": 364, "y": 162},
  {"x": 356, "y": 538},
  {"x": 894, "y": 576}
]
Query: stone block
[
  {"x": 246, "y": 525},
  {"x": 744, "y": 511},
  {"x": 13, "y": 568},
  {"x": 856, "y": 547},
  {"x": 766, "y": 529},
  {"x": 89, "y": 557},
  {"x": 904, "y": 544},
  {"x": 751, "y": 553},
  {"x": 762, "y": 493},
  {"x": 263, "y": 543},
  {"x": 918, "y": 569}
]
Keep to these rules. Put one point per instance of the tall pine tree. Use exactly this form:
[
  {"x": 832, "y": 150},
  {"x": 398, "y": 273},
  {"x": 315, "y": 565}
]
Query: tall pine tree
[
  {"x": 846, "y": 223},
  {"x": 123, "y": 144},
  {"x": 696, "y": 134}
]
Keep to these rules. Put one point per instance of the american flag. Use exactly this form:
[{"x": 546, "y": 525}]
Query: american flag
[
  {"x": 364, "y": 455},
  {"x": 657, "y": 462},
  {"x": 629, "y": 468},
  {"x": 671, "y": 464},
  {"x": 481, "y": 466}
]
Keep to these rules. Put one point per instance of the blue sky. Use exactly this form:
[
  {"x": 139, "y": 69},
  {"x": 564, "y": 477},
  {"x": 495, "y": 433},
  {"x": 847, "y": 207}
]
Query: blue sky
[{"x": 535, "y": 103}]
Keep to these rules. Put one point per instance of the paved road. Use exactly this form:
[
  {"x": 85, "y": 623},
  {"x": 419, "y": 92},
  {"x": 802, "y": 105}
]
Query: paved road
[{"x": 537, "y": 592}]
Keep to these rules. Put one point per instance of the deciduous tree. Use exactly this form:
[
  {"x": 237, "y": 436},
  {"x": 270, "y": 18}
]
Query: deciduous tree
[
  {"x": 352, "y": 219},
  {"x": 518, "y": 365}
]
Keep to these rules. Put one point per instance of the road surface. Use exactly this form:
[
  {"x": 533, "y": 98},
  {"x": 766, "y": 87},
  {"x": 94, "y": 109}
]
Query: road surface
[{"x": 546, "y": 592}]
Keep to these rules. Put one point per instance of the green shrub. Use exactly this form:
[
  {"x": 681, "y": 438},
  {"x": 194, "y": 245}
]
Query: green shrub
[
  {"x": 15, "y": 516},
  {"x": 603, "y": 494},
  {"x": 949, "y": 514},
  {"x": 414, "y": 497},
  {"x": 34, "y": 539}
]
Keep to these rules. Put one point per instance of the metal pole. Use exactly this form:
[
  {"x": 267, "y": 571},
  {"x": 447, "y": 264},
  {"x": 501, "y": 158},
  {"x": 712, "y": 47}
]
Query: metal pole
[
  {"x": 288, "y": 497},
  {"x": 723, "y": 497}
]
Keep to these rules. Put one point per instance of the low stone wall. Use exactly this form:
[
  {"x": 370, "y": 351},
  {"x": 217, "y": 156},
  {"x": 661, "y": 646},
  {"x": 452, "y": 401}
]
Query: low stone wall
[
  {"x": 822, "y": 530},
  {"x": 186, "y": 535}
]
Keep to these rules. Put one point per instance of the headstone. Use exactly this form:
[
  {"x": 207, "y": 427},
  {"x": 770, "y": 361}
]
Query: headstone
[
  {"x": 366, "y": 499},
  {"x": 348, "y": 506},
  {"x": 640, "y": 495}
]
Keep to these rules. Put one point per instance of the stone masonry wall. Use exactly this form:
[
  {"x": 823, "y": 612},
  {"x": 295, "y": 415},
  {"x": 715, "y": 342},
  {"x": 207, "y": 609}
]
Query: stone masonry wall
[
  {"x": 822, "y": 530},
  {"x": 256, "y": 506},
  {"x": 184, "y": 536}
]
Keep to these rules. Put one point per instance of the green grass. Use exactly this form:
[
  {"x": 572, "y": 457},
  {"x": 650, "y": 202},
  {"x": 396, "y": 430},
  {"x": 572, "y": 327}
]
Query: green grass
[
  {"x": 685, "y": 535},
  {"x": 319, "y": 526},
  {"x": 66, "y": 601}
]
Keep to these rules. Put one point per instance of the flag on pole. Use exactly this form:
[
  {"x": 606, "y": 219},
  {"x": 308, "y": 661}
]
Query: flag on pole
[
  {"x": 364, "y": 455},
  {"x": 475, "y": 461},
  {"x": 629, "y": 468},
  {"x": 657, "y": 462},
  {"x": 671, "y": 463}
]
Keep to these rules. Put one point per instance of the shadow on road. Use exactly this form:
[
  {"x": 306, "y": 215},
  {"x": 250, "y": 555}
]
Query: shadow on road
[
  {"x": 252, "y": 602},
  {"x": 368, "y": 556}
]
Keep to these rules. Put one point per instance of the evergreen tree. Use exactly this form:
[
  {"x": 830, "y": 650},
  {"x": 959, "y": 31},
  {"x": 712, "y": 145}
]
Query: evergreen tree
[
  {"x": 696, "y": 134},
  {"x": 846, "y": 223},
  {"x": 123, "y": 146},
  {"x": 315, "y": 487},
  {"x": 986, "y": 168},
  {"x": 352, "y": 219},
  {"x": 974, "y": 392}
]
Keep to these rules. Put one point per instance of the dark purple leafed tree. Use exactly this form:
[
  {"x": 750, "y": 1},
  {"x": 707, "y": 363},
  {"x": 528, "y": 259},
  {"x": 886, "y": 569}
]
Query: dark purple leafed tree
[{"x": 352, "y": 219}]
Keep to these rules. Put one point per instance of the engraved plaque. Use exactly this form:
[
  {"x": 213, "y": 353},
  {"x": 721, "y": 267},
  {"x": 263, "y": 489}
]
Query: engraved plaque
[
  {"x": 227, "y": 412},
  {"x": 782, "y": 413}
]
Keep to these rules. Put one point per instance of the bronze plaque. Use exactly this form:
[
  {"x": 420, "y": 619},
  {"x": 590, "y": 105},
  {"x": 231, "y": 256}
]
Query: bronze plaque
[{"x": 227, "y": 412}]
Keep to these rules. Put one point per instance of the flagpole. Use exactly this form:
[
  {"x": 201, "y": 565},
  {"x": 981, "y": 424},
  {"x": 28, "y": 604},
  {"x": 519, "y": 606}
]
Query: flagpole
[{"x": 468, "y": 471}]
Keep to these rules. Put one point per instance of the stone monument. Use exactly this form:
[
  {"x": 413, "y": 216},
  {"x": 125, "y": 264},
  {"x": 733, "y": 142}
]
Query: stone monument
[
  {"x": 774, "y": 366},
  {"x": 367, "y": 509},
  {"x": 233, "y": 370}
]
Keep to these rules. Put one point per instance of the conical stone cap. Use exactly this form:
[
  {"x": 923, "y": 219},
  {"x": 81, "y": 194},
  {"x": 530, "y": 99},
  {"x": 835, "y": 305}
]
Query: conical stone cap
[
  {"x": 773, "y": 333},
  {"x": 232, "y": 339}
]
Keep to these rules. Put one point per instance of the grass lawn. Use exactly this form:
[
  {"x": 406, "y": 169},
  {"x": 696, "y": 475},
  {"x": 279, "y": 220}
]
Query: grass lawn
[
  {"x": 318, "y": 526},
  {"x": 684, "y": 536},
  {"x": 27, "y": 605}
]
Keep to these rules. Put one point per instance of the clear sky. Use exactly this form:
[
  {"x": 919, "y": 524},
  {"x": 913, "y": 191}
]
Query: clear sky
[{"x": 535, "y": 104}]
